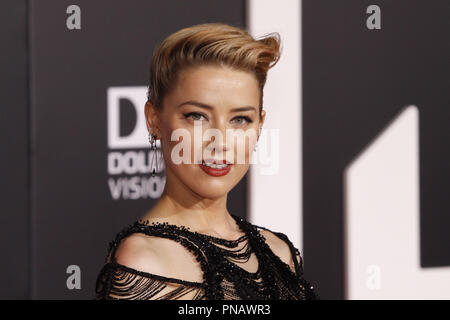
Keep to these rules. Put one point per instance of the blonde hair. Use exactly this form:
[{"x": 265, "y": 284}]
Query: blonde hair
[{"x": 210, "y": 44}]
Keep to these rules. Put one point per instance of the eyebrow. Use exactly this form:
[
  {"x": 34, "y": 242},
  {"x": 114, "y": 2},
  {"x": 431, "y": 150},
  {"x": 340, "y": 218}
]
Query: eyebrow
[{"x": 205, "y": 106}]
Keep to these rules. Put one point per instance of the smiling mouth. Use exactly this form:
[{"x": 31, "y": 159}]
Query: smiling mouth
[
  {"x": 220, "y": 164},
  {"x": 216, "y": 169}
]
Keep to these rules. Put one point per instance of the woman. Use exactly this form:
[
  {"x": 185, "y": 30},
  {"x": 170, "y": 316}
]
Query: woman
[{"x": 188, "y": 246}]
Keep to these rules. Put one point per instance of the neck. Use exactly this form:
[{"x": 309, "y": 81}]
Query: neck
[{"x": 183, "y": 206}]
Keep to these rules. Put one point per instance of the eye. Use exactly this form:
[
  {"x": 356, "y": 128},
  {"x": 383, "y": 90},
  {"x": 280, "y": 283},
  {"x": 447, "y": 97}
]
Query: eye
[
  {"x": 243, "y": 118},
  {"x": 193, "y": 115}
]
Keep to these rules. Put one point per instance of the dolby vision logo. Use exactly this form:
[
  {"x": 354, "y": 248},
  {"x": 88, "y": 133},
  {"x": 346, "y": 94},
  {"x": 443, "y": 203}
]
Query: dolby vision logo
[{"x": 129, "y": 154}]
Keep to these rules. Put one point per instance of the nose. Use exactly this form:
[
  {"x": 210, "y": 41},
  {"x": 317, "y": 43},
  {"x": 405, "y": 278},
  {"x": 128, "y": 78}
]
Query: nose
[{"x": 218, "y": 142}]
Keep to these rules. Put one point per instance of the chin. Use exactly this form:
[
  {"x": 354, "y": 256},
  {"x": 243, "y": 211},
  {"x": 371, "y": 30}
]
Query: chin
[
  {"x": 210, "y": 193},
  {"x": 211, "y": 187}
]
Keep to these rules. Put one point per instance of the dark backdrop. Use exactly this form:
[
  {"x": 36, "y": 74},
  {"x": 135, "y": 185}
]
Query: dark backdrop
[{"x": 14, "y": 141}]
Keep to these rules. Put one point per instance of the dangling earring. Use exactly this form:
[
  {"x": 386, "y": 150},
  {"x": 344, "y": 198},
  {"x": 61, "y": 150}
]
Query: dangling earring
[{"x": 152, "y": 139}]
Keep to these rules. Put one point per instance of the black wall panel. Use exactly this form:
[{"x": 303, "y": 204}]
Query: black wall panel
[{"x": 14, "y": 159}]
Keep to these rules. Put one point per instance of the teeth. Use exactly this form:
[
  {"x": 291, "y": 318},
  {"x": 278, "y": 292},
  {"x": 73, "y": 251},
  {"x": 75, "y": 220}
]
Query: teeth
[{"x": 215, "y": 166}]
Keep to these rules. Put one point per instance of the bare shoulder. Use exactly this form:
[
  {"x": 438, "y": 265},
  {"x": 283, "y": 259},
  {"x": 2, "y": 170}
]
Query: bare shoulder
[
  {"x": 278, "y": 246},
  {"x": 142, "y": 253},
  {"x": 159, "y": 256}
]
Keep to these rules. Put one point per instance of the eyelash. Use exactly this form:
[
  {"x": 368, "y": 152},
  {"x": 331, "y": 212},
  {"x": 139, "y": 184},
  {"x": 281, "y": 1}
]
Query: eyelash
[{"x": 187, "y": 115}]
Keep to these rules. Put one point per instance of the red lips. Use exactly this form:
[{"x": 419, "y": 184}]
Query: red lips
[{"x": 216, "y": 172}]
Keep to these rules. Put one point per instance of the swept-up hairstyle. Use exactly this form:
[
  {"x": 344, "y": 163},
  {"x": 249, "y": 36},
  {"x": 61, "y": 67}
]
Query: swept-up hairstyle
[{"x": 211, "y": 44}]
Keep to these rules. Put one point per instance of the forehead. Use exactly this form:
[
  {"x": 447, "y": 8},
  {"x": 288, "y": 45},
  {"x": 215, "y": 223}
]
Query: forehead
[{"x": 216, "y": 85}]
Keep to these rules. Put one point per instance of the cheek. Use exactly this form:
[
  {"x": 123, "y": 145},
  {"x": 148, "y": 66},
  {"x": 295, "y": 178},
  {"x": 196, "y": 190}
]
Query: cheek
[{"x": 179, "y": 147}]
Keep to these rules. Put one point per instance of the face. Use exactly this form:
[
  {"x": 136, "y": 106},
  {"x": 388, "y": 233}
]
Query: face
[{"x": 203, "y": 101}]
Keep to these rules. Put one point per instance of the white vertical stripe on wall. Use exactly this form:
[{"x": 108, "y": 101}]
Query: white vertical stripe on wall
[
  {"x": 275, "y": 200},
  {"x": 383, "y": 219}
]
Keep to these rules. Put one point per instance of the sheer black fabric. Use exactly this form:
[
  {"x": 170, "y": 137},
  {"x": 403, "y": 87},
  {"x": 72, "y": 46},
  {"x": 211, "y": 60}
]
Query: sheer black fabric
[{"x": 224, "y": 265}]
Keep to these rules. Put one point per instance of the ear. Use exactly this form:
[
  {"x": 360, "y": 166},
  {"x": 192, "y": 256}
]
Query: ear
[
  {"x": 263, "y": 117},
  {"x": 152, "y": 118}
]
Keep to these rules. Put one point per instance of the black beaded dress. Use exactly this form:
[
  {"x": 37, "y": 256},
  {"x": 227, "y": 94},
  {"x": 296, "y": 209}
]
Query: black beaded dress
[{"x": 223, "y": 265}]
